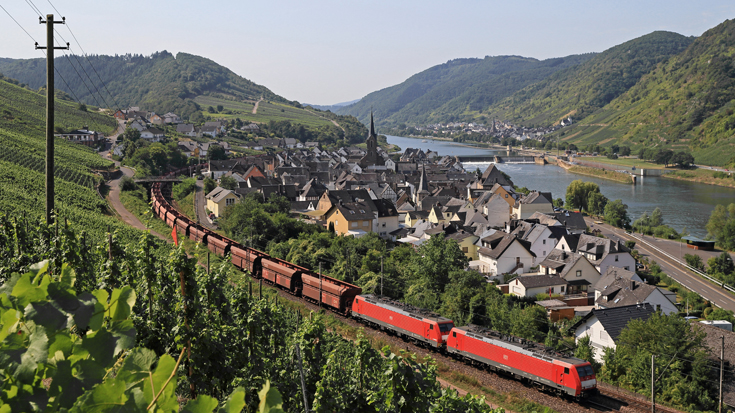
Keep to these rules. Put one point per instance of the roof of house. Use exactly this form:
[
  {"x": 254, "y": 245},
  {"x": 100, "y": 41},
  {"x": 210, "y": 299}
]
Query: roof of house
[
  {"x": 624, "y": 292},
  {"x": 571, "y": 220},
  {"x": 503, "y": 245},
  {"x": 561, "y": 261},
  {"x": 353, "y": 211},
  {"x": 612, "y": 274},
  {"x": 540, "y": 280},
  {"x": 218, "y": 194},
  {"x": 385, "y": 208},
  {"x": 184, "y": 128},
  {"x": 614, "y": 320}
]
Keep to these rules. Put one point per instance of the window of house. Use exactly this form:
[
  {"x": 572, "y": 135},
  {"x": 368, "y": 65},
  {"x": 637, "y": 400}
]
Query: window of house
[
  {"x": 354, "y": 225},
  {"x": 506, "y": 195},
  {"x": 229, "y": 201},
  {"x": 626, "y": 268},
  {"x": 561, "y": 289},
  {"x": 336, "y": 223},
  {"x": 543, "y": 242},
  {"x": 465, "y": 249},
  {"x": 551, "y": 290},
  {"x": 579, "y": 273},
  {"x": 616, "y": 258},
  {"x": 365, "y": 223},
  {"x": 383, "y": 224}
]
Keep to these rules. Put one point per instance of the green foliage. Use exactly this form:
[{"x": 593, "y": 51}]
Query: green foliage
[
  {"x": 209, "y": 185},
  {"x": 181, "y": 190},
  {"x": 721, "y": 226},
  {"x": 695, "y": 261},
  {"x": 585, "y": 351},
  {"x": 616, "y": 214},
  {"x": 653, "y": 225},
  {"x": 578, "y": 195},
  {"x": 153, "y": 158},
  {"x": 228, "y": 182},
  {"x": 216, "y": 153},
  {"x": 681, "y": 366},
  {"x": 721, "y": 314},
  {"x": 596, "y": 203}
]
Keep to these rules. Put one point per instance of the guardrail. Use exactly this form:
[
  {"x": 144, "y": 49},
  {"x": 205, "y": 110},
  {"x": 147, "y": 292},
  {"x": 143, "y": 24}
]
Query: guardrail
[{"x": 685, "y": 265}]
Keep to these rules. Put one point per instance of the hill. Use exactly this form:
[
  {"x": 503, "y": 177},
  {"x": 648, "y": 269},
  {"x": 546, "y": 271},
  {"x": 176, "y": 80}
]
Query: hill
[
  {"x": 686, "y": 102},
  {"x": 453, "y": 90},
  {"x": 22, "y": 167},
  {"x": 580, "y": 90}
]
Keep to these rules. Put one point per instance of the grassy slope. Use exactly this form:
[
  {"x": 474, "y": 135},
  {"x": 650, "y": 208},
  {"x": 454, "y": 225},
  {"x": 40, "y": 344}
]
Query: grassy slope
[
  {"x": 267, "y": 111},
  {"x": 22, "y": 145}
]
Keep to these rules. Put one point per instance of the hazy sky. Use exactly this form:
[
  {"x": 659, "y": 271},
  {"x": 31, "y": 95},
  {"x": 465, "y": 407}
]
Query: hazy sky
[{"x": 330, "y": 51}]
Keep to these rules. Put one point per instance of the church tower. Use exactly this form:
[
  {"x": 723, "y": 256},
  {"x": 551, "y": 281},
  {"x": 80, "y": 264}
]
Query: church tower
[{"x": 371, "y": 157}]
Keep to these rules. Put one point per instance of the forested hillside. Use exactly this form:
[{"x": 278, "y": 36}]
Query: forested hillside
[
  {"x": 160, "y": 82},
  {"x": 580, "y": 90},
  {"x": 450, "y": 91},
  {"x": 684, "y": 103}
]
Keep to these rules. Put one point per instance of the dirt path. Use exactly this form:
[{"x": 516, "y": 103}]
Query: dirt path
[{"x": 255, "y": 108}]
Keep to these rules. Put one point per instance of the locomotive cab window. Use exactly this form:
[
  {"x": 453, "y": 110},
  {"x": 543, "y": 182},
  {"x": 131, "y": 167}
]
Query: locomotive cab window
[
  {"x": 431, "y": 326},
  {"x": 445, "y": 327},
  {"x": 566, "y": 370},
  {"x": 454, "y": 334}
]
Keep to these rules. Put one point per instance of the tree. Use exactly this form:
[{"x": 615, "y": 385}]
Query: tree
[
  {"x": 682, "y": 368},
  {"x": 656, "y": 218},
  {"x": 209, "y": 185},
  {"x": 624, "y": 151},
  {"x": 718, "y": 220},
  {"x": 82, "y": 107},
  {"x": 220, "y": 108},
  {"x": 228, "y": 182},
  {"x": 721, "y": 264},
  {"x": 694, "y": 261},
  {"x": 596, "y": 203},
  {"x": 616, "y": 214},
  {"x": 558, "y": 203},
  {"x": 586, "y": 352},
  {"x": 578, "y": 193},
  {"x": 721, "y": 314},
  {"x": 682, "y": 159},
  {"x": 131, "y": 135},
  {"x": 664, "y": 157},
  {"x": 436, "y": 258},
  {"x": 216, "y": 153},
  {"x": 210, "y": 109}
]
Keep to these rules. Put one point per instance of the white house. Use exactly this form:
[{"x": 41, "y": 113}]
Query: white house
[
  {"x": 152, "y": 135},
  {"x": 604, "y": 252},
  {"x": 532, "y": 285},
  {"x": 533, "y": 202},
  {"x": 510, "y": 255},
  {"x": 622, "y": 292},
  {"x": 575, "y": 268},
  {"x": 603, "y": 326}
]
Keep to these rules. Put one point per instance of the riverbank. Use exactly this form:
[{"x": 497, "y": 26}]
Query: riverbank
[
  {"x": 598, "y": 173},
  {"x": 703, "y": 176}
]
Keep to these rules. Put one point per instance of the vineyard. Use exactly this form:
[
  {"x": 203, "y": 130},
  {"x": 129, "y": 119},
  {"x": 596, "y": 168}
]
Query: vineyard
[
  {"x": 105, "y": 323},
  {"x": 23, "y": 111}
]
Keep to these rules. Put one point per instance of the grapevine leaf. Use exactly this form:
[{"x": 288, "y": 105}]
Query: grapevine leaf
[
  {"x": 124, "y": 332},
  {"x": 100, "y": 346},
  {"x": 27, "y": 292},
  {"x": 65, "y": 388},
  {"x": 235, "y": 403},
  {"x": 121, "y": 303},
  {"x": 106, "y": 397},
  {"x": 152, "y": 387},
  {"x": 38, "y": 269},
  {"x": 68, "y": 277},
  {"x": 137, "y": 366},
  {"x": 47, "y": 315},
  {"x": 83, "y": 314},
  {"x": 202, "y": 404},
  {"x": 36, "y": 352},
  {"x": 60, "y": 342},
  {"x": 270, "y": 399},
  {"x": 9, "y": 322},
  {"x": 95, "y": 323},
  {"x": 7, "y": 288}
]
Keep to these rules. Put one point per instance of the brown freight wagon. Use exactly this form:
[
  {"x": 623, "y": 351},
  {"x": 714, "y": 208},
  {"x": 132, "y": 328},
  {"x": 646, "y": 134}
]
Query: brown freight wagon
[
  {"x": 282, "y": 273},
  {"x": 170, "y": 219},
  {"x": 218, "y": 245},
  {"x": 335, "y": 293},
  {"x": 197, "y": 233},
  {"x": 247, "y": 259},
  {"x": 183, "y": 225}
]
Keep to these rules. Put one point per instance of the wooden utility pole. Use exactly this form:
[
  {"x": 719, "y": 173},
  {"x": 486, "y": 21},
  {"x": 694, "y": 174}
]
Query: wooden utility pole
[
  {"x": 320, "y": 285},
  {"x": 381, "y": 276},
  {"x": 50, "y": 109}
]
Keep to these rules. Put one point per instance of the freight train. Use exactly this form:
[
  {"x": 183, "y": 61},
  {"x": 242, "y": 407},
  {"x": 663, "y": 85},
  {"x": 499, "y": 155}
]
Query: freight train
[{"x": 519, "y": 358}]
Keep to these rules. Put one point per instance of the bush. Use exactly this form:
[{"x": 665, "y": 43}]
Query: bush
[
  {"x": 183, "y": 189},
  {"x": 128, "y": 184}
]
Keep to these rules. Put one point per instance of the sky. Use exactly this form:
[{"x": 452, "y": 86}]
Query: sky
[{"x": 330, "y": 51}]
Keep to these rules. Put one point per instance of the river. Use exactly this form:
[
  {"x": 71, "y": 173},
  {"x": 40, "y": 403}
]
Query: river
[{"x": 684, "y": 204}]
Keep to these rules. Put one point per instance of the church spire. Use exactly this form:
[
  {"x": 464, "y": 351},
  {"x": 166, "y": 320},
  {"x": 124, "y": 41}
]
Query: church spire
[{"x": 372, "y": 125}]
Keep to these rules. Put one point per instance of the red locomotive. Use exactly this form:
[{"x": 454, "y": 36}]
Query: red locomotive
[
  {"x": 412, "y": 323},
  {"x": 523, "y": 359}
]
